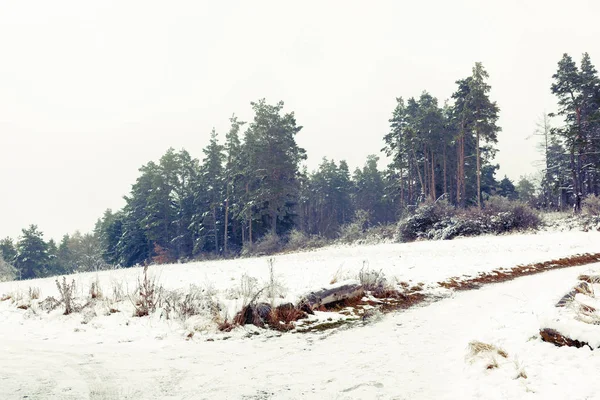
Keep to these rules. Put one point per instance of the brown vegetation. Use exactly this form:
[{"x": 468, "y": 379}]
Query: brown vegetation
[
  {"x": 554, "y": 337},
  {"x": 503, "y": 275}
]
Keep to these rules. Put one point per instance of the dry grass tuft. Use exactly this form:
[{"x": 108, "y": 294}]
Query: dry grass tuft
[
  {"x": 5, "y": 297},
  {"x": 476, "y": 348},
  {"x": 226, "y": 326},
  {"x": 95, "y": 290},
  {"x": 34, "y": 293},
  {"x": 282, "y": 318},
  {"x": 337, "y": 276}
]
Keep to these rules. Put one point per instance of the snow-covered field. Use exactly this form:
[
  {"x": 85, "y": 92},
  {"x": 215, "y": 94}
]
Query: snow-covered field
[{"x": 420, "y": 353}]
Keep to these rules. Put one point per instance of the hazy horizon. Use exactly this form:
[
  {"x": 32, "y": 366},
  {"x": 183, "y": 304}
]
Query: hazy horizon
[{"x": 91, "y": 92}]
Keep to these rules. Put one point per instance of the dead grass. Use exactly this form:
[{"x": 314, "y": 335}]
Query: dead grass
[
  {"x": 95, "y": 290},
  {"x": 147, "y": 295},
  {"x": 226, "y": 326},
  {"x": 282, "y": 318},
  {"x": 476, "y": 348},
  {"x": 557, "y": 339},
  {"x": 5, "y": 297},
  {"x": 34, "y": 293}
]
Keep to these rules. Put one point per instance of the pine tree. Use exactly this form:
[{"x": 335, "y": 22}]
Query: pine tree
[
  {"x": 506, "y": 188},
  {"x": 484, "y": 116},
  {"x": 233, "y": 179},
  {"x": 210, "y": 195},
  {"x": 273, "y": 159},
  {"x": 567, "y": 87},
  {"x": 8, "y": 250},
  {"x": 370, "y": 190},
  {"x": 32, "y": 254}
]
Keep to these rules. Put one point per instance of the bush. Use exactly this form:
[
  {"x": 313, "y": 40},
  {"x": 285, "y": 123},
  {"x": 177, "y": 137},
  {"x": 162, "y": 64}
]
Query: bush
[
  {"x": 506, "y": 216},
  {"x": 67, "y": 294},
  {"x": 268, "y": 244},
  {"x": 7, "y": 271},
  {"x": 422, "y": 220},
  {"x": 353, "y": 231},
  {"x": 147, "y": 295},
  {"x": 440, "y": 221},
  {"x": 591, "y": 205},
  {"x": 198, "y": 301},
  {"x": 298, "y": 240}
]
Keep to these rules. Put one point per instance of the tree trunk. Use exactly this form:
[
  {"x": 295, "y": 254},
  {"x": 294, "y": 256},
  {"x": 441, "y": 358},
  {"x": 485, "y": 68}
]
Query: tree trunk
[
  {"x": 445, "y": 184},
  {"x": 418, "y": 172},
  {"x": 274, "y": 222},
  {"x": 226, "y": 229},
  {"x": 478, "y": 173},
  {"x": 216, "y": 229},
  {"x": 249, "y": 216},
  {"x": 401, "y": 189},
  {"x": 433, "y": 191},
  {"x": 332, "y": 294}
]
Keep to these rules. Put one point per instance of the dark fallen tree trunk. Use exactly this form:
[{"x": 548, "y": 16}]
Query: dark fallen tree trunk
[
  {"x": 331, "y": 294},
  {"x": 554, "y": 337}
]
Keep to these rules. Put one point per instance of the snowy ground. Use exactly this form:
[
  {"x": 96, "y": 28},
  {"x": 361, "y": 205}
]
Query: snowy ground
[{"x": 417, "y": 354}]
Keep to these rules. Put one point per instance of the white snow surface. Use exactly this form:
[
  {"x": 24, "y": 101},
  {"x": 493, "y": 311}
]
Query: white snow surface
[{"x": 420, "y": 353}]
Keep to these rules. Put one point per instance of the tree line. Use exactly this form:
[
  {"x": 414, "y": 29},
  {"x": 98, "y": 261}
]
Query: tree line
[{"x": 252, "y": 184}]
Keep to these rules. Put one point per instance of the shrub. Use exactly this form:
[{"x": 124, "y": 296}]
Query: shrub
[
  {"x": 506, "y": 216},
  {"x": 67, "y": 292},
  {"x": 353, "y": 231},
  {"x": 370, "y": 279},
  {"x": 591, "y": 205},
  {"x": 147, "y": 295},
  {"x": 440, "y": 221},
  {"x": 197, "y": 301},
  {"x": 297, "y": 240},
  {"x": 268, "y": 244},
  {"x": 7, "y": 271},
  {"x": 274, "y": 288},
  {"x": 95, "y": 291},
  {"x": 422, "y": 220}
]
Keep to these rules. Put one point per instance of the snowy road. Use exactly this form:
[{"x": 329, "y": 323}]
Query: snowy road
[{"x": 417, "y": 354}]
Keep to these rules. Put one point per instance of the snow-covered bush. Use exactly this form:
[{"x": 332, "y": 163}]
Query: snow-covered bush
[
  {"x": 423, "y": 219},
  {"x": 274, "y": 287},
  {"x": 196, "y": 301},
  {"x": 67, "y": 294},
  {"x": 591, "y": 205},
  {"x": 441, "y": 221},
  {"x": 371, "y": 279},
  {"x": 506, "y": 215},
  {"x": 298, "y": 240},
  {"x": 353, "y": 231},
  {"x": 268, "y": 244},
  {"x": 7, "y": 271}
]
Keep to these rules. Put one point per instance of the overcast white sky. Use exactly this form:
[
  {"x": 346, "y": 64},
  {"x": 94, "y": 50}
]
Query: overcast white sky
[{"x": 90, "y": 91}]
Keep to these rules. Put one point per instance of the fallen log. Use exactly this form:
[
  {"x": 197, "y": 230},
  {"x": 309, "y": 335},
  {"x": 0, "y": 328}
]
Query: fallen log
[{"x": 331, "y": 294}]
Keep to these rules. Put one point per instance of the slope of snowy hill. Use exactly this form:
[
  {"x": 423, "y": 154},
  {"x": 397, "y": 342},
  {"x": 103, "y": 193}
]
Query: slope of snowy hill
[{"x": 419, "y": 353}]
